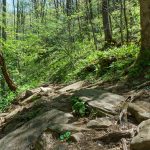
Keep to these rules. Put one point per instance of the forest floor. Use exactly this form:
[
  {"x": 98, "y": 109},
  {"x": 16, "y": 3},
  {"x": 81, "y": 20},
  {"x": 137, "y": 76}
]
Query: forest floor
[{"x": 44, "y": 118}]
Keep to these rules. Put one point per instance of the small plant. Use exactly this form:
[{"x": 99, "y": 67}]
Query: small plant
[
  {"x": 66, "y": 136},
  {"x": 79, "y": 107}
]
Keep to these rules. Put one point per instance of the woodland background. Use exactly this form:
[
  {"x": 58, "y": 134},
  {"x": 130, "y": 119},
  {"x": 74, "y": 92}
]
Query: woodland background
[{"x": 58, "y": 41}]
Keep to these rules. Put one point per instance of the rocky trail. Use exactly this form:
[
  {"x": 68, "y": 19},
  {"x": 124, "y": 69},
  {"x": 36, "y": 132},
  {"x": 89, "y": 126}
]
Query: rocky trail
[{"x": 43, "y": 118}]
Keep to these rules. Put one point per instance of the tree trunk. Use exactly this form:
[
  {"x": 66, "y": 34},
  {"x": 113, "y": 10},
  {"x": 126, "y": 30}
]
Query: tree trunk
[
  {"x": 106, "y": 21},
  {"x": 4, "y": 21},
  {"x": 18, "y": 19},
  {"x": 126, "y": 21},
  {"x": 4, "y": 38},
  {"x": 14, "y": 11},
  {"x": 5, "y": 73},
  {"x": 144, "y": 56}
]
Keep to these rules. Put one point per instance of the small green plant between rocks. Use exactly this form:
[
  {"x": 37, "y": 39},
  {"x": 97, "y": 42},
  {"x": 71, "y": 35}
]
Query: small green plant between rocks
[
  {"x": 79, "y": 107},
  {"x": 65, "y": 136}
]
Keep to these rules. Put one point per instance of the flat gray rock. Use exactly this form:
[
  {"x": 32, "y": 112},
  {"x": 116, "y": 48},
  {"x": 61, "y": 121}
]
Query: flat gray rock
[
  {"x": 99, "y": 123},
  {"x": 140, "y": 110},
  {"x": 104, "y": 102},
  {"x": 77, "y": 137},
  {"x": 25, "y": 137},
  {"x": 61, "y": 128},
  {"x": 142, "y": 140},
  {"x": 33, "y": 91},
  {"x": 45, "y": 141},
  {"x": 74, "y": 86}
]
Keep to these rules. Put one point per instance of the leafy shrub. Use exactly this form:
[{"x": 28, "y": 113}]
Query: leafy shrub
[
  {"x": 79, "y": 107},
  {"x": 65, "y": 136}
]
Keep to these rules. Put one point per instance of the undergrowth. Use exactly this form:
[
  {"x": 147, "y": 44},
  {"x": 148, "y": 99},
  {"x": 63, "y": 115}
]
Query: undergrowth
[{"x": 108, "y": 65}]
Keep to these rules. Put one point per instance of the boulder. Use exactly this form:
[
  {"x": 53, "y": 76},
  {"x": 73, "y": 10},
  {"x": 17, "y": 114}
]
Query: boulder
[
  {"x": 99, "y": 123},
  {"x": 103, "y": 102},
  {"x": 74, "y": 86},
  {"x": 77, "y": 137},
  {"x": 45, "y": 141},
  {"x": 140, "y": 110},
  {"x": 33, "y": 91},
  {"x": 142, "y": 140},
  {"x": 61, "y": 147},
  {"x": 61, "y": 128},
  {"x": 46, "y": 89},
  {"x": 25, "y": 137}
]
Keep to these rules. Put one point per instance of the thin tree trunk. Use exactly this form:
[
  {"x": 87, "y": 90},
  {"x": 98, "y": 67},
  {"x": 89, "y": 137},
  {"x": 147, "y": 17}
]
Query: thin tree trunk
[
  {"x": 79, "y": 19},
  {"x": 4, "y": 36},
  {"x": 18, "y": 19},
  {"x": 126, "y": 21},
  {"x": 14, "y": 17},
  {"x": 106, "y": 21},
  {"x": 121, "y": 21},
  {"x": 5, "y": 73}
]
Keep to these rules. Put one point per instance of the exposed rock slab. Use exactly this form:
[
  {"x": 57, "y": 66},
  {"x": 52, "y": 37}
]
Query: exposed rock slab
[
  {"x": 99, "y": 123},
  {"x": 45, "y": 142},
  {"x": 74, "y": 86},
  {"x": 142, "y": 140},
  {"x": 33, "y": 91},
  {"x": 77, "y": 137},
  {"x": 104, "y": 102},
  {"x": 47, "y": 89},
  {"x": 25, "y": 137},
  {"x": 140, "y": 110},
  {"x": 61, "y": 128}
]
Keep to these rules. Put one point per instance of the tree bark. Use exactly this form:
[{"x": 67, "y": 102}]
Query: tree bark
[
  {"x": 106, "y": 21},
  {"x": 4, "y": 36},
  {"x": 5, "y": 73},
  {"x": 144, "y": 55}
]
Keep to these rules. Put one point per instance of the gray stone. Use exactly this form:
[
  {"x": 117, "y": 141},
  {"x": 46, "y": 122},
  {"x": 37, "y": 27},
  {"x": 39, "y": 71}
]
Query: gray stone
[
  {"x": 33, "y": 91},
  {"x": 25, "y": 137},
  {"x": 77, "y": 137},
  {"x": 45, "y": 142},
  {"x": 104, "y": 102},
  {"x": 61, "y": 128},
  {"x": 74, "y": 86},
  {"x": 99, "y": 123},
  {"x": 46, "y": 89},
  {"x": 142, "y": 140},
  {"x": 140, "y": 110},
  {"x": 60, "y": 147}
]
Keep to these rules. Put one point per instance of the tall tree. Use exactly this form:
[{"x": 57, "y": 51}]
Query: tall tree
[
  {"x": 106, "y": 21},
  {"x": 144, "y": 56},
  {"x": 4, "y": 20}
]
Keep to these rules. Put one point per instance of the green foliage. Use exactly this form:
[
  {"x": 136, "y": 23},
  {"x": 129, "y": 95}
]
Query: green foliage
[
  {"x": 9, "y": 97},
  {"x": 79, "y": 107},
  {"x": 46, "y": 52},
  {"x": 6, "y": 101},
  {"x": 65, "y": 136}
]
